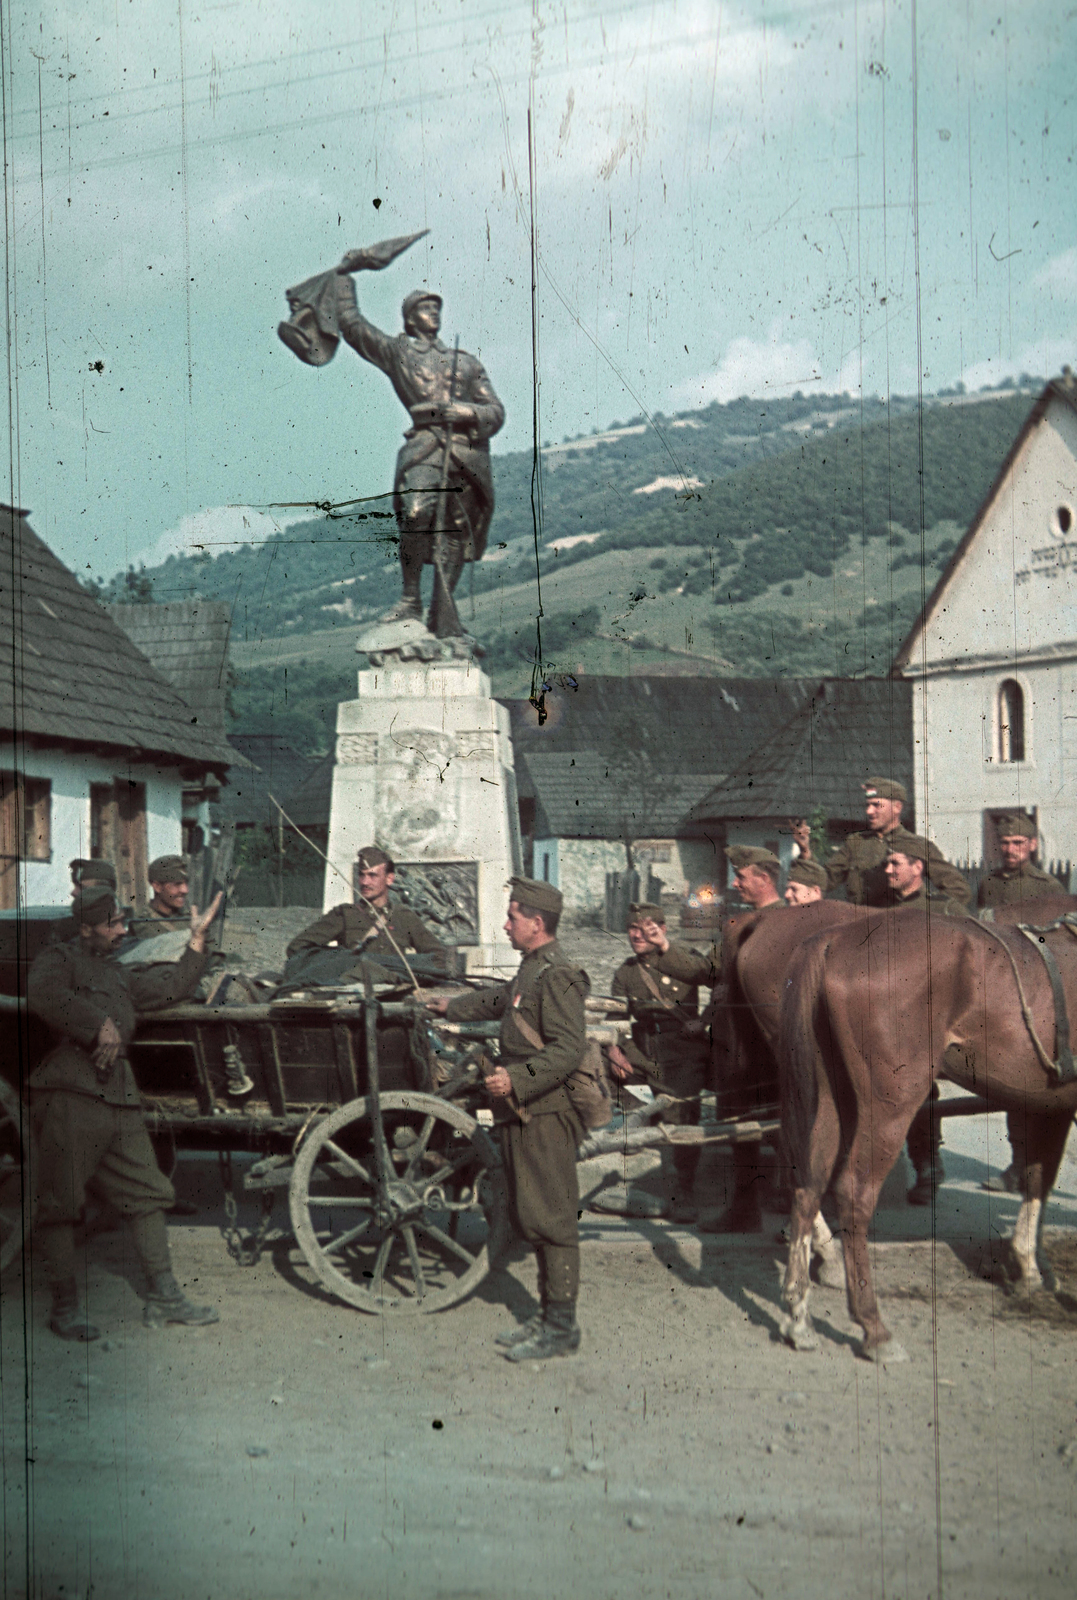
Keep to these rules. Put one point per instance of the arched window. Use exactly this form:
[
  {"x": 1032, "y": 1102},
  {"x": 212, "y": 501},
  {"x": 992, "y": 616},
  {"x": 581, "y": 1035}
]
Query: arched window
[{"x": 1011, "y": 721}]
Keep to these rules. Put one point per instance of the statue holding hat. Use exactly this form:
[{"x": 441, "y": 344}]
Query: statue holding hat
[{"x": 443, "y": 491}]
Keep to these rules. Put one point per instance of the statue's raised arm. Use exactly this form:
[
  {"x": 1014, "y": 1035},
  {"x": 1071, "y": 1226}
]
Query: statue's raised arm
[{"x": 443, "y": 492}]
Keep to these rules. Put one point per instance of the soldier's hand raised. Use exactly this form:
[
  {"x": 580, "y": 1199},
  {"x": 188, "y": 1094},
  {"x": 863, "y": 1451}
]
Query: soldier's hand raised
[{"x": 201, "y": 921}]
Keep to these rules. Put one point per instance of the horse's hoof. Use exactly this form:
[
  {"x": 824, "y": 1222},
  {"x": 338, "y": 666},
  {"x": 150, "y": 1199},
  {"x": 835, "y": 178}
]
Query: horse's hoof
[
  {"x": 832, "y": 1274},
  {"x": 800, "y": 1337},
  {"x": 888, "y": 1354}
]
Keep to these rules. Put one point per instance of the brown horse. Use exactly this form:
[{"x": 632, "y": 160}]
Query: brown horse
[{"x": 872, "y": 1014}]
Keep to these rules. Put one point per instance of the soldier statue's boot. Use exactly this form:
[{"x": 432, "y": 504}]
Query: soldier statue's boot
[
  {"x": 410, "y": 606},
  {"x": 559, "y": 1335},
  {"x": 68, "y": 1319},
  {"x": 166, "y": 1302},
  {"x": 929, "y": 1174}
]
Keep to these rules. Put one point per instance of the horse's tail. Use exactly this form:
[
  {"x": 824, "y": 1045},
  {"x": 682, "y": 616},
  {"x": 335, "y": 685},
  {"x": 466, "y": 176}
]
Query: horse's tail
[{"x": 798, "y": 1052}]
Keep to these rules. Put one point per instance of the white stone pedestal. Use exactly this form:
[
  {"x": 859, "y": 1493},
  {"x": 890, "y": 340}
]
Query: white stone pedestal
[{"x": 424, "y": 769}]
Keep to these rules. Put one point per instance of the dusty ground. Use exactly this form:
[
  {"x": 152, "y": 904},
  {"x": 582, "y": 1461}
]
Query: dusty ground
[{"x": 299, "y": 1447}]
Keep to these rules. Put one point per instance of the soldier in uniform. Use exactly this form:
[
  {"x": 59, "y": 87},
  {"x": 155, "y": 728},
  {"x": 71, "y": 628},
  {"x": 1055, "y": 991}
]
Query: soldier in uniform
[
  {"x": 860, "y": 863},
  {"x": 86, "y": 1112},
  {"x": 366, "y": 927},
  {"x": 906, "y": 872},
  {"x": 451, "y": 402},
  {"x": 806, "y": 883},
  {"x": 1018, "y": 879},
  {"x": 667, "y": 1048},
  {"x": 167, "y": 909},
  {"x": 739, "y": 1080},
  {"x": 543, "y": 1038}
]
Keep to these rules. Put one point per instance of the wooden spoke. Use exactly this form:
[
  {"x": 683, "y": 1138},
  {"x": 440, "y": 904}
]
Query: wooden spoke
[
  {"x": 350, "y": 1162},
  {"x": 419, "y": 1148},
  {"x": 452, "y": 1245},
  {"x": 413, "y": 1258},
  {"x": 341, "y": 1240},
  {"x": 380, "y": 1264},
  {"x": 321, "y": 1201}
]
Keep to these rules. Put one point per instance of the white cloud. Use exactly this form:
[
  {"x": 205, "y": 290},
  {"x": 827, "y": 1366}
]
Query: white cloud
[
  {"x": 215, "y": 529},
  {"x": 762, "y": 366},
  {"x": 1058, "y": 278},
  {"x": 1045, "y": 359}
]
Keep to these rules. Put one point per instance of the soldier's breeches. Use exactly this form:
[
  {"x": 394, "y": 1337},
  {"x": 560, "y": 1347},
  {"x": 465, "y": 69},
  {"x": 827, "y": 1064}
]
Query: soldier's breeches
[
  {"x": 540, "y": 1173},
  {"x": 79, "y": 1139}
]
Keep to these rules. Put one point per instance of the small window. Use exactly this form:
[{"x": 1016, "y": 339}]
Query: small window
[
  {"x": 1062, "y": 522},
  {"x": 26, "y": 821},
  {"x": 1011, "y": 721}
]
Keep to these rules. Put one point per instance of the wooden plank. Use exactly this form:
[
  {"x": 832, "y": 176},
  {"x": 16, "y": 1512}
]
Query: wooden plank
[
  {"x": 272, "y": 1075},
  {"x": 344, "y": 1045}
]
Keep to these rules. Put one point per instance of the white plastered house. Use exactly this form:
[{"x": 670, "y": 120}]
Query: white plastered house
[{"x": 993, "y": 656}]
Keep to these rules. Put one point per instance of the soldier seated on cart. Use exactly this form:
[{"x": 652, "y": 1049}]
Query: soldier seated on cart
[
  {"x": 373, "y": 927},
  {"x": 668, "y": 1048},
  {"x": 167, "y": 909},
  {"x": 86, "y": 1111}
]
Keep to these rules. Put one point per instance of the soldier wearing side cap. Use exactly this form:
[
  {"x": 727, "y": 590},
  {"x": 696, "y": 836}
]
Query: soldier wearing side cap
[
  {"x": 167, "y": 909},
  {"x": 667, "y": 1047},
  {"x": 906, "y": 870},
  {"x": 859, "y": 865},
  {"x": 806, "y": 882},
  {"x": 1018, "y": 879},
  {"x": 374, "y": 925},
  {"x": 85, "y": 1107},
  {"x": 543, "y": 1039}
]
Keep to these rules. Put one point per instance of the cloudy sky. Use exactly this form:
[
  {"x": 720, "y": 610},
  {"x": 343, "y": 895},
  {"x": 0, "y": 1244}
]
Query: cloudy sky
[{"x": 712, "y": 200}]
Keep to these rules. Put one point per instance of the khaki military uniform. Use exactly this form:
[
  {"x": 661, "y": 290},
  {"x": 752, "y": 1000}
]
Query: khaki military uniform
[
  {"x": 346, "y": 925},
  {"x": 859, "y": 865},
  {"x": 150, "y": 923},
  {"x": 90, "y": 1125},
  {"x": 1026, "y": 882},
  {"x": 539, "y": 1153}
]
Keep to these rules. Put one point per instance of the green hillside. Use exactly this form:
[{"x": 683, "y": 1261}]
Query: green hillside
[{"x": 753, "y": 538}]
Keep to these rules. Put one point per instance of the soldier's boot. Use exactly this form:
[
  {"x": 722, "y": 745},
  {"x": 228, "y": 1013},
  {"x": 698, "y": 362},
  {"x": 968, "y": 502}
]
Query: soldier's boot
[
  {"x": 68, "y": 1319},
  {"x": 166, "y": 1302},
  {"x": 685, "y": 1164},
  {"x": 929, "y": 1174},
  {"x": 527, "y": 1330},
  {"x": 558, "y": 1335},
  {"x": 410, "y": 606}
]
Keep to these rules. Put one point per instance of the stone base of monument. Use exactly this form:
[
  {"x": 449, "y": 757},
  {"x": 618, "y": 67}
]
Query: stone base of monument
[
  {"x": 409, "y": 639},
  {"x": 424, "y": 769}
]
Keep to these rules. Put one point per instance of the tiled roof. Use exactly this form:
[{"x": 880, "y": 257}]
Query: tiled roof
[
  {"x": 850, "y": 730},
  {"x": 187, "y": 641},
  {"x": 276, "y": 768},
  {"x": 586, "y": 796},
  {"x": 690, "y": 725},
  {"x": 70, "y": 675}
]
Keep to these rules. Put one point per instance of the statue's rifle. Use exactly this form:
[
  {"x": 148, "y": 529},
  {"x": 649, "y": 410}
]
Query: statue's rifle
[{"x": 444, "y": 607}]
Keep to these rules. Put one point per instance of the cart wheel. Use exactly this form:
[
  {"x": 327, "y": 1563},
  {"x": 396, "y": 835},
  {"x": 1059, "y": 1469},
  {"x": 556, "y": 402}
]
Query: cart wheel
[
  {"x": 407, "y": 1256},
  {"x": 16, "y": 1205}
]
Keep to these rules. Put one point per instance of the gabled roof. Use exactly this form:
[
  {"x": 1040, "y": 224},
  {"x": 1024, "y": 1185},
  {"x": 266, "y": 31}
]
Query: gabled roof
[
  {"x": 70, "y": 675},
  {"x": 584, "y": 796},
  {"x": 187, "y": 641},
  {"x": 1064, "y": 389},
  {"x": 852, "y": 729},
  {"x": 268, "y": 766},
  {"x": 704, "y": 725}
]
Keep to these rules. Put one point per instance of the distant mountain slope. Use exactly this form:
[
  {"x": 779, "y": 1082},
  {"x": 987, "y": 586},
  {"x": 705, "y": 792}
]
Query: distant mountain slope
[{"x": 750, "y": 538}]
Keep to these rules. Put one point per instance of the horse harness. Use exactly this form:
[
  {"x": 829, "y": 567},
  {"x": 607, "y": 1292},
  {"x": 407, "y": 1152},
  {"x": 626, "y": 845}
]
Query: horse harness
[{"x": 1063, "y": 1069}]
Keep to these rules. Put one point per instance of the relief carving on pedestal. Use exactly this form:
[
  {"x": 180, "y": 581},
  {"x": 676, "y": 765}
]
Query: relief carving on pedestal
[{"x": 357, "y": 749}]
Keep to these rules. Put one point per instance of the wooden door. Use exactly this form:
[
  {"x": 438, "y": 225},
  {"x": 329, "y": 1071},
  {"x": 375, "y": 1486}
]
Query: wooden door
[{"x": 118, "y": 834}]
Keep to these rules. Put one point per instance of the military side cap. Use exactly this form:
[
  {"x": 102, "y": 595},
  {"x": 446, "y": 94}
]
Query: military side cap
[
  {"x": 884, "y": 789},
  {"x": 1016, "y": 825},
  {"x": 644, "y": 911},
  {"x": 93, "y": 872},
  {"x": 809, "y": 872},
  {"x": 533, "y": 892},
  {"x": 95, "y": 905},
  {"x": 910, "y": 845},
  {"x": 750, "y": 855},
  {"x": 167, "y": 869},
  {"x": 370, "y": 856}
]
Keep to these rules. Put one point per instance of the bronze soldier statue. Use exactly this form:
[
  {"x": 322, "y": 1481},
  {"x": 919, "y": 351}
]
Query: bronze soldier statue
[{"x": 443, "y": 491}]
